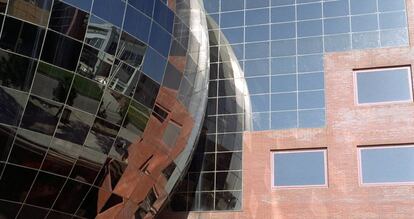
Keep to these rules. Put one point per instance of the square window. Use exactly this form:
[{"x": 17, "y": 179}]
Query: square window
[
  {"x": 386, "y": 164},
  {"x": 383, "y": 85},
  {"x": 299, "y": 168}
]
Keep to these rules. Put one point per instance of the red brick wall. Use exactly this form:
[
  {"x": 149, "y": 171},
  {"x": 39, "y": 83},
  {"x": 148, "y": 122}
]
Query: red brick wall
[{"x": 347, "y": 127}]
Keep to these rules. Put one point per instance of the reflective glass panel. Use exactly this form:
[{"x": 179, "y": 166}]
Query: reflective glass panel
[
  {"x": 384, "y": 85},
  {"x": 299, "y": 168}
]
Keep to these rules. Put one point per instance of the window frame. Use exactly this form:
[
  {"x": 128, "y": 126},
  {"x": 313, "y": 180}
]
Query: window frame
[
  {"x": 388, "y": 146},
  {"x": 372, "y": 70},
  {"x": 273, "y": 174}
]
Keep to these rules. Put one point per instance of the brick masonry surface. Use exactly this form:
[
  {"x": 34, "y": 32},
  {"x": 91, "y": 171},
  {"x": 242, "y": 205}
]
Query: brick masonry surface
[{"x": 348, "y": 126}]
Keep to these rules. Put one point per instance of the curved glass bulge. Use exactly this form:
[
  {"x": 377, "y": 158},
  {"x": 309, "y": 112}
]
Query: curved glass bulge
[{"x": 101, "y": 104}]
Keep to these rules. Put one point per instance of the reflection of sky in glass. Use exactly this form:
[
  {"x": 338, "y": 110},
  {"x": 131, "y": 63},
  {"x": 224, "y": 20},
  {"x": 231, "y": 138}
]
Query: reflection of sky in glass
[
  {"x": 299, "y": 168},
  {"x": 387, "y": 165},
  {"x": 290, "y": 37},
  {"x": 382, "y": 86}
]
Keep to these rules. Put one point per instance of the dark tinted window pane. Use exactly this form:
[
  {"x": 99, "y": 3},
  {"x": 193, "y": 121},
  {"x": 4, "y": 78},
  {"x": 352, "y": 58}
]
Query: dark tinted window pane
[
  {"x": 131, "y": 50},
  {"x": 102, "y": 136},
  {"x": 29, "y": 148},
  {"x": 85, "y": 94},
  {"x": 387, "y": 165},
  {"x": 228, "y": 200},
  {"x": 61, "y": 51},
  {"x": 3, "y": 5},
  {"x": 88, "y": 165},
  {"x": 204, "y": 162},
  {"x": 71, "y": 196},
  {"x": 83, "y": 4},
  {"x": 229, "y": 161},
  {"x": 8, "y": 209},
  {"x": 7, "y": 135},
  {"x": 146, "y": 91},
  {"x": 229, "y": 180},
  {"x": 114, "y": 15},
  {"x": 38, "y": 196},
  {"x": 36, "y": 11},
  {"x": 299, "y": 168},
  {"x": 16, "y": 71},
  {"x": 230, "y": 105},
  {"x": 137, "y": 24},
  {"x": 58, "y": 82},
  {"x": 61, "y": 157},
  {"x": 60, "y": 215},
  {"x": 384, "y": 85},
  {"x": 41, "y": 115},
  {"x": 32, "y": 212},
  {"x": 16, "y": 189},
  {"x": 89, "y": 207},
  {"x": 11, "y": 112},
  {"x": 95, "y": 64},
  {"x": 137, "y": 118},
  {"x": 74, "y": 125},
  {"x": 22, "y": 37},
  {"x": 230, "y": 123},
  {"x": 229, "y": 142},
  {"x": 203, "y": 201},
  {"x": 68, "y": 20},
  {"x": 201, "y": 181},
  {"x": 102, "y": 35}
]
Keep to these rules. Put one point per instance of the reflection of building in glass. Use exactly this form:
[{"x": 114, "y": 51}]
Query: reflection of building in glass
[
  {"x": 96, "y": 121},
  {"x": 206, "y": 109}
]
